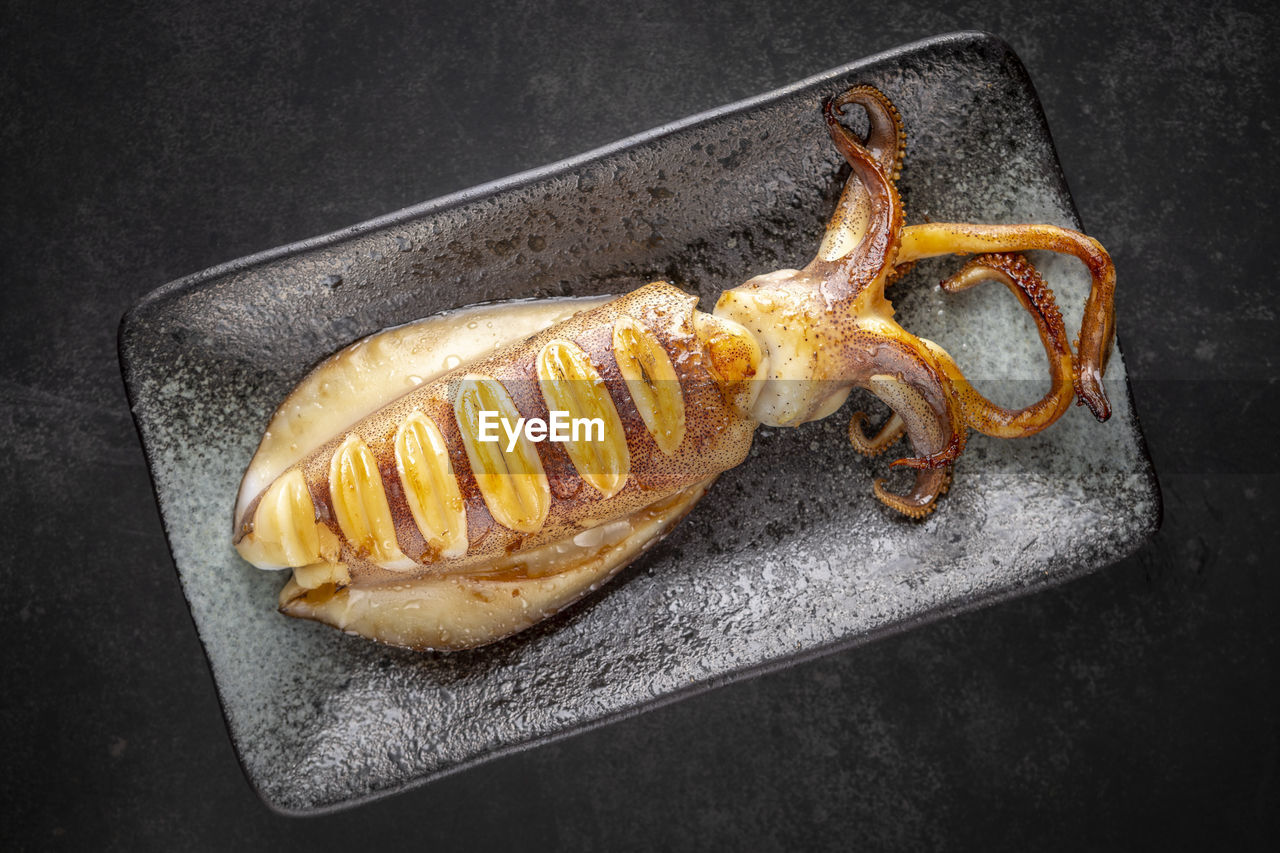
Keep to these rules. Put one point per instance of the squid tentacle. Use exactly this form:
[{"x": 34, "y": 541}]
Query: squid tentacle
[
  {"x": 1025, "y": 282},
  {"x": 894, "y": 428},
  {"x": 923, "y": 399},
  {"x": 930, "y": 485},
  {"x": 1097, "y": 329},
  {"x": 860, "y": 247},
  {"x": 886, "y": 137}
]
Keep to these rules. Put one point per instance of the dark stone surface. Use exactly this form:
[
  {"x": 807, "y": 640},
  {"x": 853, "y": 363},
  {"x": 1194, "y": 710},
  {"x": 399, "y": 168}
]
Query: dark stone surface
[{"x": 1134, "y": 708}]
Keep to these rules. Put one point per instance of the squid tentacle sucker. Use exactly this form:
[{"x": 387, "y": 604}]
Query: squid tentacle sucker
[{"x": 425, "y": 488}]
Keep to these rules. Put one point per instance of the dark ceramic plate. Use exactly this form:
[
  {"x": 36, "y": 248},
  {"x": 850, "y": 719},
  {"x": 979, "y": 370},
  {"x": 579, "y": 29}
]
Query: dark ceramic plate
[{"x": 788, "y": 557}]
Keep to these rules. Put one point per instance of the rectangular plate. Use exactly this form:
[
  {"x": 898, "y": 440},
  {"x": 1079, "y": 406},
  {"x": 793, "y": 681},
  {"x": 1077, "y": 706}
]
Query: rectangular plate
[{"x": 788, "y": 557}]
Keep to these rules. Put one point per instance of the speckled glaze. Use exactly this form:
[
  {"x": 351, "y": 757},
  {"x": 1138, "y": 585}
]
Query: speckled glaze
[{"x": 788, "y": 556}]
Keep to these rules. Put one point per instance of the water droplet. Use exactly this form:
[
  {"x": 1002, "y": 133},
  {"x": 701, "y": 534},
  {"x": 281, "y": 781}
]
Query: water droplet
[{"x": 452, "y": 361}]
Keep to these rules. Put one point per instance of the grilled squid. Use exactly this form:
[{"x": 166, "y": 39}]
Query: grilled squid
[{"x": 451, "y": 482}]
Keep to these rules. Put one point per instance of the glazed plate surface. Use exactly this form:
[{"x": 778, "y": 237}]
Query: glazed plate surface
[{"x": 788, "y": 556}]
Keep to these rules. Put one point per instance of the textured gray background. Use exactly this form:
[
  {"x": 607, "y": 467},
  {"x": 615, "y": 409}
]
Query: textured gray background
[{"x": 1132, "y": 708}]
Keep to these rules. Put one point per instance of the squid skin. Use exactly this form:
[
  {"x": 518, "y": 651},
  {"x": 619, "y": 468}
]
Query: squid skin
[{"x": 404, "y": 527}]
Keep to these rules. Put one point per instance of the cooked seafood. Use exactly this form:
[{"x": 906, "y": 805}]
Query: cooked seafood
[{"x": 430, "y": 487}]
